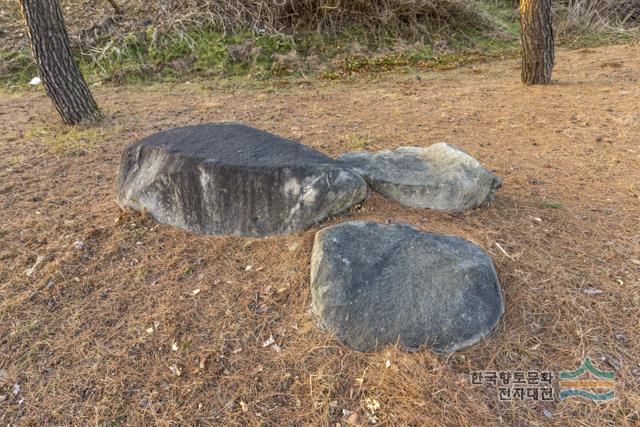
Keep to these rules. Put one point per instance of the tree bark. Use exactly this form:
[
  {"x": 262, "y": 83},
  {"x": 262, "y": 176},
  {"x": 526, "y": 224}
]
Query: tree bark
[
  {"x": 58, "y": 70},
  {"x": 537, "y": 41}
]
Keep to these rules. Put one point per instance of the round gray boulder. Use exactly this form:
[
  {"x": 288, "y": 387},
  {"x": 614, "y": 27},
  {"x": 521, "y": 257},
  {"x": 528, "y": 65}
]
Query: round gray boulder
[
  {"x": 440, "y": 177},
  {"x": 374, "y": 285},
  {"x": 220, "y": 179}
]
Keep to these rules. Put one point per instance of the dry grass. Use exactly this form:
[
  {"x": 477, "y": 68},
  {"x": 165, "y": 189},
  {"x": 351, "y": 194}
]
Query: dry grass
[
  {"x": 89, "y": 336},
  {"x": 410, "y": 19},
  {"x": 92, "y": 24},
  {"x": 581, "y": 15}
]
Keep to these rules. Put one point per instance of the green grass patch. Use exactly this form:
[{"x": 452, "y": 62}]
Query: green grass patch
[
  {"x": 70, "y": 141},
  {"x": 550, "y": 204},
  {"x": 151, "y": 55},
  {"x": 16, "y": 67}
]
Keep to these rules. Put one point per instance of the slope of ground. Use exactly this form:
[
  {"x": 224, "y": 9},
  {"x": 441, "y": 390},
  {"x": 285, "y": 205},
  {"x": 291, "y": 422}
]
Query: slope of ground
[{"x": 113, "y": 331}]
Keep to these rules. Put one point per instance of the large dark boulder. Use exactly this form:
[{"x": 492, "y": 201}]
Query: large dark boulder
[
  {"x": 222, "y": 179},
  {"x": 440, "y": 177},
  {"x": 374, "y": 285}
]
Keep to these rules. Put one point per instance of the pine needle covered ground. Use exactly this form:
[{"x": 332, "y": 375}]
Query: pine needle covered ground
[{"x": 122, "y": 321}]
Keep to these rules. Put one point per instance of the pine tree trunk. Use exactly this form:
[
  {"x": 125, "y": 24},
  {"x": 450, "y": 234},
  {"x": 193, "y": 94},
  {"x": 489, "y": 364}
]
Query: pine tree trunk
[
  {"x": 537, "y": 41},
  {"x": 57, "y": 68}
]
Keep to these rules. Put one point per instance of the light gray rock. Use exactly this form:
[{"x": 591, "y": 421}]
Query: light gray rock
[
  {"x": 374, "y": 285},
  {"x": 440, "y": 177},
  {"x": 220, "y": 179}
]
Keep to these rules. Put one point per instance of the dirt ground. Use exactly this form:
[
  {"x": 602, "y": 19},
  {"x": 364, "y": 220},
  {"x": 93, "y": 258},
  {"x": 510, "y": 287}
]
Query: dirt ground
[{"x": 111, "y": 332}]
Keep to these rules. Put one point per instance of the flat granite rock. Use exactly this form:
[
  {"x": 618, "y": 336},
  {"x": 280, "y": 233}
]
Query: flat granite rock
[
  {"x": 220, "y": 179},
  {"x": 440, "y": 177},
  {"x": 374, "y": 285}
]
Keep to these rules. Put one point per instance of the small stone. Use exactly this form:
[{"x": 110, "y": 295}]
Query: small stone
[{"x": 612, "y": 361}]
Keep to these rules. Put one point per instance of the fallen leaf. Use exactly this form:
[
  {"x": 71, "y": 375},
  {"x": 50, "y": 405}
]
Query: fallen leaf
[
  {"x": 195, "y": 292},
  {"x": 29, "y": 272},
  {"x": 372, "y": 404},
  {"x": 174, "y": 346},
  {"x": 268, "y": 342},
  {"x": 352, "y": 419},
  {"x": 175, "y": 370},
  {"x": 244, "y": 406}
]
